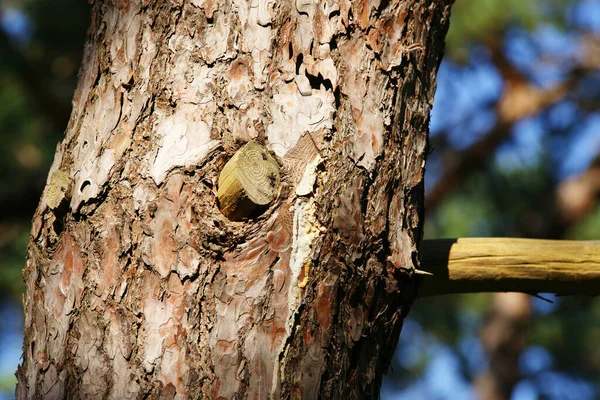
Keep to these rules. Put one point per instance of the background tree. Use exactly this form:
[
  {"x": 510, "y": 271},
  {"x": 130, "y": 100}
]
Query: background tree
[
  {"x": 508, "y": 184},
  {"x": 515, "y": 140}
]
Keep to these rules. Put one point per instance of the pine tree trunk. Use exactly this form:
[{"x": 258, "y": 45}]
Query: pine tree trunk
[{"x": 138, "y": 286}]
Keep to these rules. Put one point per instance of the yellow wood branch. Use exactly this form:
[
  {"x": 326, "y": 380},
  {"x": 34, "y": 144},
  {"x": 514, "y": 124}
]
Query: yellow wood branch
[{"x": 470, "y": 265}]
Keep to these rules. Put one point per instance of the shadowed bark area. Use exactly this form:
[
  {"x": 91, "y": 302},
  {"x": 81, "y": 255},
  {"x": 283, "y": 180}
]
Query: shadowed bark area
[{"x": 138, "y": 286}]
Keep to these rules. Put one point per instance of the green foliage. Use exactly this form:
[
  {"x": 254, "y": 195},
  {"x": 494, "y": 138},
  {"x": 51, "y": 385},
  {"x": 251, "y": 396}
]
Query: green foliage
[
  {"x": 571, "y": 334},
  {"x": 7, "y": 383},
  {"x": 484, "y": 21},
  {"x": 13, "y": 242},
  {"x": 37, "y": 79},
  {"x": 464, "y": 214},
  {"x": 588, "y": 228}
]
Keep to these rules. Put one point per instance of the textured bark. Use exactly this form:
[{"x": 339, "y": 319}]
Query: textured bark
[{"x": 137, "y": 285}]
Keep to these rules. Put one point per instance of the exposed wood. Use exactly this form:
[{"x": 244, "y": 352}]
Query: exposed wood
[
  {"x": 40, "y": 92},
  {"x": 470, "y": 265},
  {"x": 248, "y": 183}
]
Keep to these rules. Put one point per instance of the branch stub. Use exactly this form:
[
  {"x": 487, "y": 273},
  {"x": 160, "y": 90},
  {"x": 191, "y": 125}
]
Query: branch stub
[{"x": 248, "y": 182}]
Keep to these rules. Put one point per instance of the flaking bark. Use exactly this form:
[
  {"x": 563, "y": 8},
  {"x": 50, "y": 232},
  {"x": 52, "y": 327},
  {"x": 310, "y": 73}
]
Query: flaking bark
[{"x": 138, "y": 286}]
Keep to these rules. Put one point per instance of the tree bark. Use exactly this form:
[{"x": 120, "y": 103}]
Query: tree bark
[{"x": 138, "y": 286}]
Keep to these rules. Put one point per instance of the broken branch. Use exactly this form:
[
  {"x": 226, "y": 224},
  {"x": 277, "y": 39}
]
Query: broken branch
[{"x": 470, "y": 265}]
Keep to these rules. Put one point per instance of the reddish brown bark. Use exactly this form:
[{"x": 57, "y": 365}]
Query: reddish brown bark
[{"x": 137, "y": 286}]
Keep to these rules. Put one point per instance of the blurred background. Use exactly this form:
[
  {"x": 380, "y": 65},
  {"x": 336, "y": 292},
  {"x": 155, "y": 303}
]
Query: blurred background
[{"x": 516, "y": 152}]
